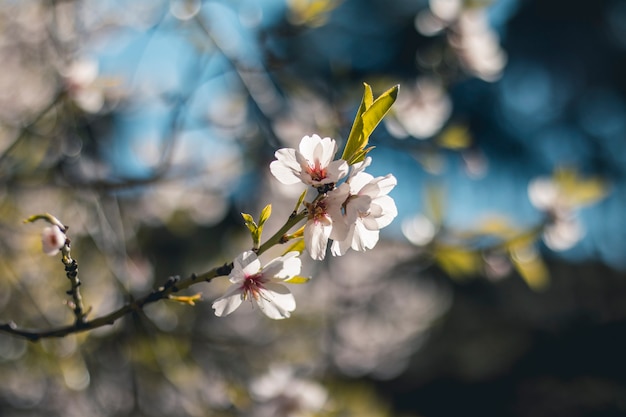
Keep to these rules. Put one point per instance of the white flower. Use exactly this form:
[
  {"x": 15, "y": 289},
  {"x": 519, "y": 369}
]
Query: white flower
[
  {"x": 366, "y": 210},
  {"x": 81, "y": 80},
  {"x": 325, "y": 222},
  {"x": 52, "y": 240},
  {"x": 313, "y": 164},
  {"x": 262, "y": 285},
  {"x": 281, "y": 393}
]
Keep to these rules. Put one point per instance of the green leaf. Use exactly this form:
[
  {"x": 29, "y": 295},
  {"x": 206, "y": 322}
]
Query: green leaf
[
  {"x": 265, "y": 214},
  {"x": 254, "y": 229},
  {"x": 379, "y": 108},
  {"x": 368, "y": 116},
  {"x": 300, "y": 200},
  {"x": 250, "y": 223},
  {"x": 353, "y": 142},
  {"x": 297, "y": 280}
]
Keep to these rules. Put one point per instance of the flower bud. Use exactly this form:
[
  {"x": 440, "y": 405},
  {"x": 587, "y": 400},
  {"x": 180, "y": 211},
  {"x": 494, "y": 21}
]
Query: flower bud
[{"x": 52, "y": 240}]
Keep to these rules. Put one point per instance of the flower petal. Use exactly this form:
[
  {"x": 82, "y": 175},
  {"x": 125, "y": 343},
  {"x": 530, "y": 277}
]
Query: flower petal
[
  {"x": 308, "y": 145},
  {"x": 336, "y": 170},
  {"x": 363, "y": 239},
  {"x": 244, "y": 265},
  {"x": 316, "y": 236},
  {"x": 229, "y": 302},
  {"x": 360, "y": 166},
  {"x": 340, "y": 247},
  {"x": 358, "y": 181},
  {"x": 328, "y": 151},
  {"x": 383, "y": 211},
  {"x": 386, "y": 183},
  {"x": 283, "y": 267},
  {"x": 286, "y": 168},
  {"x": 276, "y": 301}
]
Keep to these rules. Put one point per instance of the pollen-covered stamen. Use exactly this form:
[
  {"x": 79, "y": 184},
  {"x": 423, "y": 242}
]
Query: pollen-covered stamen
[
  {"x": 316, "y": 171},
  {"x": 318, "y": 211},
  {"x": 252, "y": 286}
]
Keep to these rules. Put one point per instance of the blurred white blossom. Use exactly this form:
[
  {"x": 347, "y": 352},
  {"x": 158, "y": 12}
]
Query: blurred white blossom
[
  {"x": 560, "y": 197},
  {"x": 478, "y": 45},
  {"x": 80, "y": 80},
  {"x": 420, "y": 112},
  {"x": 280, "y": 393}
]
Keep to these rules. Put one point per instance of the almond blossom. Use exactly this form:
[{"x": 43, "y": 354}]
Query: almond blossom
[
  {"x": 52, "y": 240},
  {"x": 261, "y": 284},
  {"x": 312, "y": 164},
  {"x": 324, "y": 222},
  {"x": 366, "y": 210},
  {"x": 280, "y": 392}
]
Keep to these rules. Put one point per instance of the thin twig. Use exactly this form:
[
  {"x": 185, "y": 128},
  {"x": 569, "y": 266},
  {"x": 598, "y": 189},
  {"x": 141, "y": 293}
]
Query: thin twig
[{"x": 171, "y": 286}]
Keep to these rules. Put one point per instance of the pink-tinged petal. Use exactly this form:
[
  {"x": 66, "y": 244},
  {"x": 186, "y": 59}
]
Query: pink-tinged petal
[
  {"x": 316, "y": 234},
  {"x": 304, "y": 175},
  {"x": 336, "y": 170},
  {"x": 229, "y": 302},
  {"x": 318, "y": 154},
  {"x": 363, "y": 238},
  {"x": 286, "y": 168},
  {"x": 276, "y": 301}
]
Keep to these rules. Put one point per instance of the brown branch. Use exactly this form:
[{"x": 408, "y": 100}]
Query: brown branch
[{"x": 173, "y": 284}]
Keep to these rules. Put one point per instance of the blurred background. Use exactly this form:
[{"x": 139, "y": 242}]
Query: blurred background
[{"x": 148, "y": 126}]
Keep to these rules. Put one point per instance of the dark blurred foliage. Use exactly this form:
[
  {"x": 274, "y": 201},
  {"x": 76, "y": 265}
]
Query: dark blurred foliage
[{"x": 148, "y": 126}]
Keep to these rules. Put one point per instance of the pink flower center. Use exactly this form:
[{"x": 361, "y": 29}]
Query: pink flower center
[
  {"x": 316, "y": 171},
  {"x": 252, "y": 286}
]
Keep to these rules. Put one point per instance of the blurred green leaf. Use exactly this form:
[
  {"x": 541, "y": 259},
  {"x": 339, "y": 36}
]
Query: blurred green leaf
[
  {"x": 297, "y": 280},
  {"x": 457, "y": 262},
  {"x": 530, "y": 266},
  {"x": 455, "y": 137}
]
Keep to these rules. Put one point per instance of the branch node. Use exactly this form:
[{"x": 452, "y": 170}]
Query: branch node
[{"x": 224, "y": 270}]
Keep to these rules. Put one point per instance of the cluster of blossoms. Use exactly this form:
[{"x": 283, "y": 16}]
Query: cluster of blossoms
[
  {"x": 350, "y": 208},
  {"x": 351, "y": 213}
]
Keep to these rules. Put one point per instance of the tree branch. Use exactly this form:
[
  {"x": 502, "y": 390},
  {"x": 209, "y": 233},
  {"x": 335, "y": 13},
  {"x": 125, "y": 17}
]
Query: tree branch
[{"x": 173, "y": 284}]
